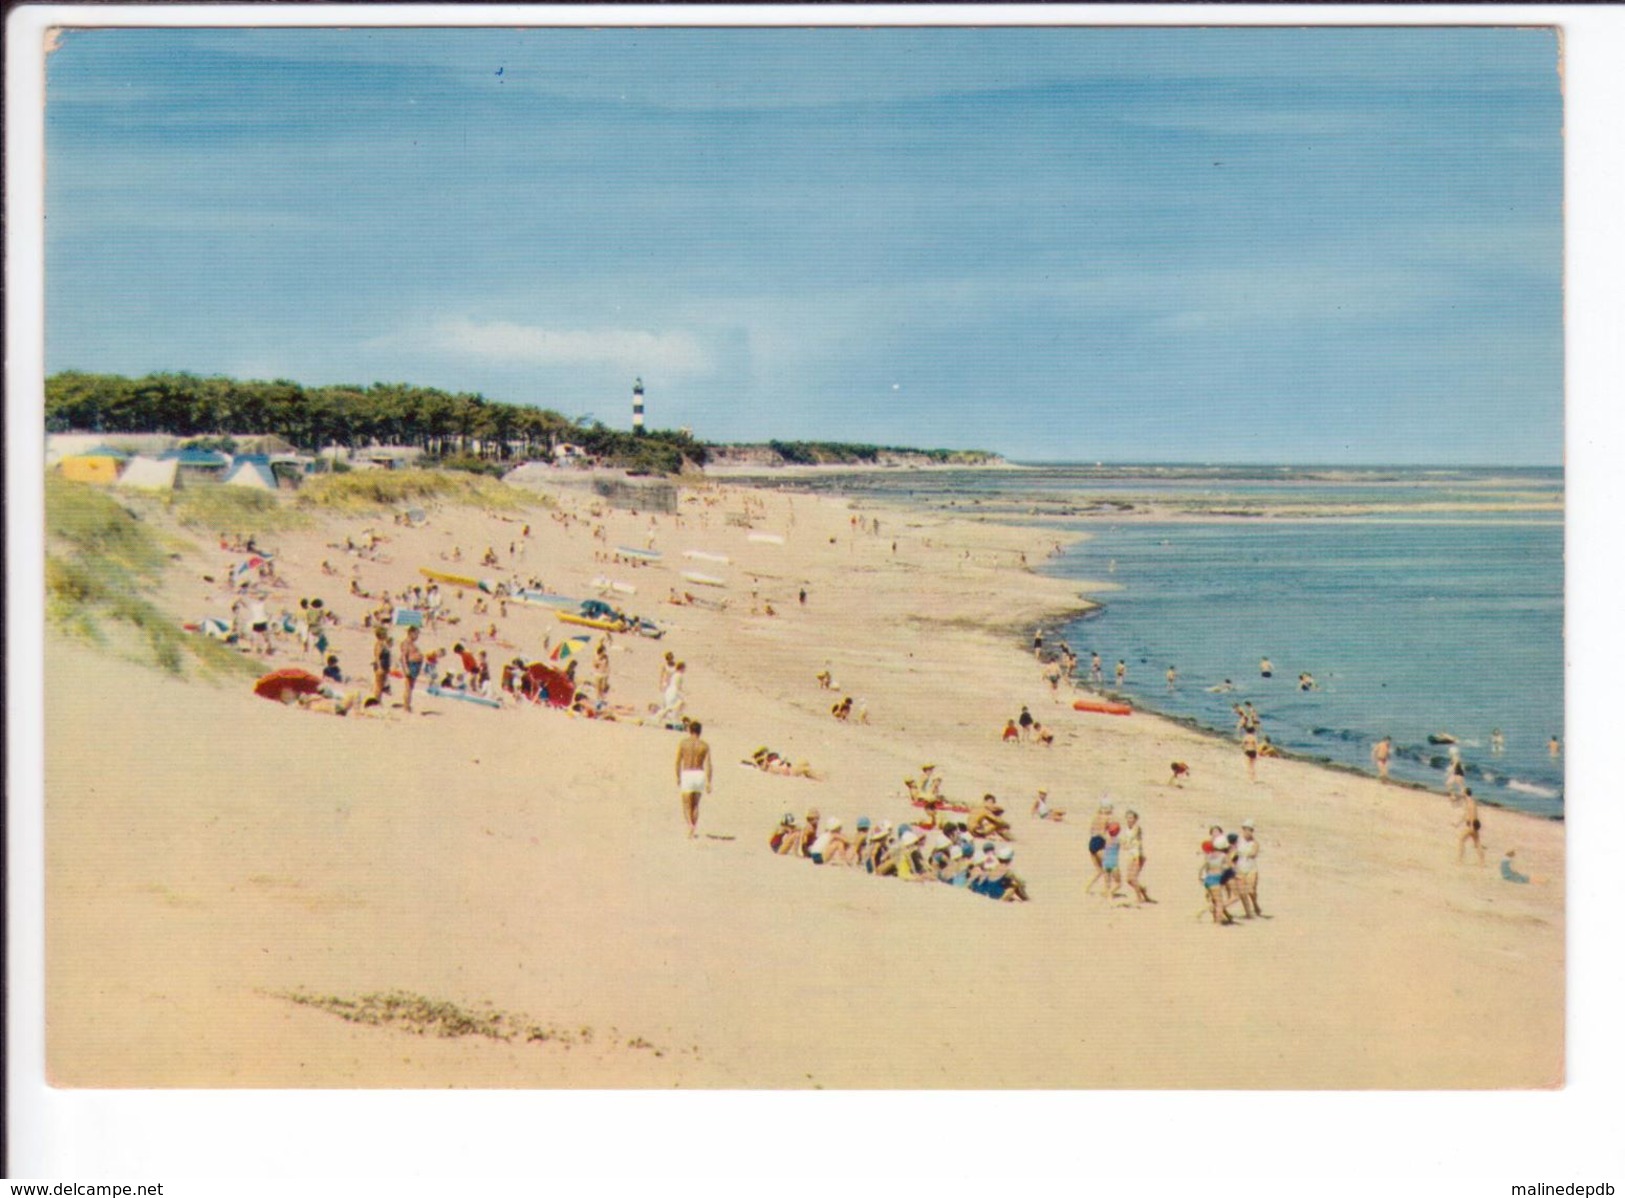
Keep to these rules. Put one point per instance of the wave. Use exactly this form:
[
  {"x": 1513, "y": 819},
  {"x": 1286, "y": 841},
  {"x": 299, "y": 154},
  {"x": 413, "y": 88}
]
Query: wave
[{"x": 1531, "y": 788}]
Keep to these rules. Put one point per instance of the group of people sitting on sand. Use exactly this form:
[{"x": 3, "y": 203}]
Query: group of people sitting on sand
[
  {"x": 948, "y": 853},
  {"x": 984, "y": 820},
  {"x": 1024, "y": 729}
]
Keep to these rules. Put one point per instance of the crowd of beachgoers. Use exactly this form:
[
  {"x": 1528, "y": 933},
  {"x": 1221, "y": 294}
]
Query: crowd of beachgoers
[{"x": 960, "y": 845}]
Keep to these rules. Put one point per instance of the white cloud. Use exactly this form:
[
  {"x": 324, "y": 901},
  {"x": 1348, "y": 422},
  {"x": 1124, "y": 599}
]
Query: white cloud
[{"x": 669, "y": 354}]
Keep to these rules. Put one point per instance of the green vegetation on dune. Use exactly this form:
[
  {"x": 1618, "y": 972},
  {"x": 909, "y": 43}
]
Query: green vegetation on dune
[
  {"x": 367, "y": 490},
  {"x": 101, "y": 562},
  {"x": 96, "y": 526},
  {"x": 233, "y": 509}
]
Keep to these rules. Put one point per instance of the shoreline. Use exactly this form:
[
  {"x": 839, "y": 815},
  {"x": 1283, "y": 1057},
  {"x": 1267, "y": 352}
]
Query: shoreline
[{"x": 1094, "y": 607}]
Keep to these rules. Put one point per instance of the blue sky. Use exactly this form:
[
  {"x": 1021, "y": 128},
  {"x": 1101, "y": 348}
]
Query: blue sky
[{"x": 1307, "y": 246}]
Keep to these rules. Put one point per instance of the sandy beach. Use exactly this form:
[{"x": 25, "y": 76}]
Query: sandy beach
[{"x": 224, "y": 873}]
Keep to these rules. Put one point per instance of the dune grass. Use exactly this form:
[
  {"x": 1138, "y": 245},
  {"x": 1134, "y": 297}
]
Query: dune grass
[
  {"x": 93, "y": 524},
  {"x": 234, "y": 509},
  {"x": 368, "y": 490},
  {"x": 101, "y": 562}
]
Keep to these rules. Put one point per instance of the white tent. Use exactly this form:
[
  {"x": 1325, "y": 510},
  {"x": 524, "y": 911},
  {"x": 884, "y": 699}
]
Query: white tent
[
  {"x": 251, "y": 474},
  {"x": 149, "y": 474}
]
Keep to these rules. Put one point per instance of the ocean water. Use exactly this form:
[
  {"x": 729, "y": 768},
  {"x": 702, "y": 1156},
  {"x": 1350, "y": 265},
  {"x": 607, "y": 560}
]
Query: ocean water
[
  {"x": 1410, "y": 628},
  {"x": 1424, "y": 602}
]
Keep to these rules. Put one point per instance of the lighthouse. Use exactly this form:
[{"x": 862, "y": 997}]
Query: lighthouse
[{"x": 637, "y": 407}]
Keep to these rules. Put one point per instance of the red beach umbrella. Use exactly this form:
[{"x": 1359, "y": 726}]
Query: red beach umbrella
[
  {"x": 557, "y": 686},
  {"x": 280, "y": 686}
]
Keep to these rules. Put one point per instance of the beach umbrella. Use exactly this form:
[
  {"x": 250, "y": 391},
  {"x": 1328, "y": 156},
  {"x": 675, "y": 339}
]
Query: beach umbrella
[
  {"x": 281, "y": 685},
  {"x": 558, "y": 688},
  {"x": 575, "y": 646}
]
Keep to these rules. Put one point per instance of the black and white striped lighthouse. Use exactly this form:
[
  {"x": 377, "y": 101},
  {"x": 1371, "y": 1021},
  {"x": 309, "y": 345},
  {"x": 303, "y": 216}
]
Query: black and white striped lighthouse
[{"x": 637, "y": 407}]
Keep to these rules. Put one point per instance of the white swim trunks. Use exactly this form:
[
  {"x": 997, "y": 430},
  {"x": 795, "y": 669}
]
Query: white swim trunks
[{"x": 692, "y": 782}]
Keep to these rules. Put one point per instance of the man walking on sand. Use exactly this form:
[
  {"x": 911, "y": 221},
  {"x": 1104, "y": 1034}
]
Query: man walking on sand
[{"x": 693, "y": 776}]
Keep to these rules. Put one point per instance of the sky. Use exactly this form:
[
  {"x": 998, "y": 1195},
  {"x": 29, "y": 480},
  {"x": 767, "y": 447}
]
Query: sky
[{"x": 1226, "y": 245}]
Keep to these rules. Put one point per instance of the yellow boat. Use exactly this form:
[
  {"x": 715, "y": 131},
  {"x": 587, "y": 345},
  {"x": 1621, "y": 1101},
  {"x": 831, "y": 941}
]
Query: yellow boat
[
  {"x": 604, "y": 625},
  {"x": 456, "y": 580}
]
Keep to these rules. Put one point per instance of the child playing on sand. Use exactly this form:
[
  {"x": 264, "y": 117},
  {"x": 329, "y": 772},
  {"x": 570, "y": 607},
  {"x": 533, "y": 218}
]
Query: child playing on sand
[
  {"x": 1042, "y": 810},
  {"x": 411, "y": 663},
  {"x": 381, "y": 652},
  {"x": 1180, "y": 772},
  {"x": 1509, "y": 871}
]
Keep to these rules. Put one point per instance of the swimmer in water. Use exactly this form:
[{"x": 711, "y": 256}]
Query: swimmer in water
[
  {"x": 1265, "y": 669},
  {"x": 1457, "y": 777},
  {"x": 1173, "y": 677},
  {"x": 1553, "y": 747},
  {"x": 1223, "y": 688},
  {"x": 1498, "y": 743}
]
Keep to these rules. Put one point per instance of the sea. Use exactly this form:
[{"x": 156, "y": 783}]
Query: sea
[{"x": 1427, "y": 604}]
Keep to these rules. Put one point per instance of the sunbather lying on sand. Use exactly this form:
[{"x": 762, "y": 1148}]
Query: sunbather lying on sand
[
  {"x": 331, "y": 701},
  {"x": 770, "y": 762}
]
